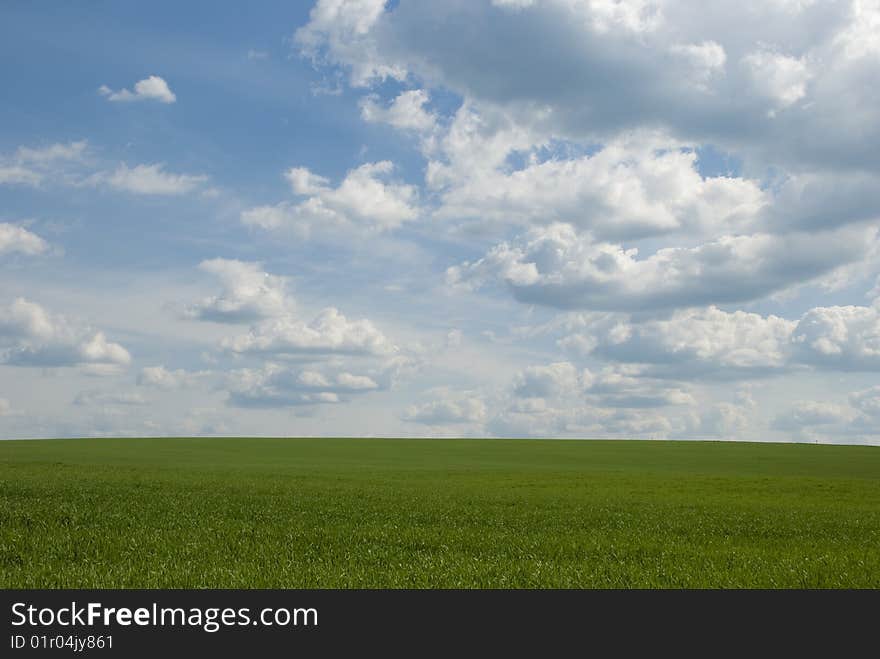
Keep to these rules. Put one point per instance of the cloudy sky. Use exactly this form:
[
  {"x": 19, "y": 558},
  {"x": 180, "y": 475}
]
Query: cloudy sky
[{"x": 551, "y": 218}]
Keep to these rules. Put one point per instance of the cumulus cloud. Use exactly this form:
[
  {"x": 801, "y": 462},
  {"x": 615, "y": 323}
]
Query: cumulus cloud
[
  {"x": 538, "y": 418},
  {"x": 406, "y": 111},
  {"x": 717, "y": 344},
  {"x": 31, "y": 336},
  {"x": 557, "y": 379},
  {"x": 638, "y": 64},
  {"x": 447, "y": 411},
  {"x": 152, "y": 88},
  {"x": 275, "y": 385},
  {"x": 330, "y": 332},
  {"x": 557, "y": 266},
  {"x": 364, "y": 201},
  {"x": 342, "y": 31},
  {"x": 618, "y": 388},
  {"x": 692, "y": 342},
  {"x": 804, "y": 414},
  {"x": 844, "y": 338},
  {"x": 628, "y": 189},
  {"x": 857, "y": 420},
  {"x": 168, "y": 379},
  {"x": 14, "y": 238},
  {"x": 148, "y": 180},
  {"x": 781, "y": 78},
  {"x": 249, "y": 293}
]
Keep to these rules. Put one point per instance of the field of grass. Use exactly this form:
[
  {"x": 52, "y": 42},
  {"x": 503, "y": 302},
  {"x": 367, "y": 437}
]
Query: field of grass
[{"x": 302, "y": 513}]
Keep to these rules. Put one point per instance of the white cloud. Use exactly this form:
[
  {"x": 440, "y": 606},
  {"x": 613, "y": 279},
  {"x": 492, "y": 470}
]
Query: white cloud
[
  {"x": 705, "y": 59},
  {"x": 616, "y": 387},
  {"x": 31, "y": 165},
  {"x": 276, "y": 385},
  {"x": 811, "y": 413},
  {"x": 328, "y": 333},
  {"x": 558, "y": 267},
  {"x": 448, "y": 411},
  {"x": 19, "y": 175},
  {"x": 362, "y": 202},
  {"x": 341, "y": 30},
  {"x": 694, "y": 342},
  {"x": 93, "y": 398},
  {"x": 152, "y": 88},
  {"x": 557, "y": 379},
  {"x": 248, "y": 293},
  {"x": 845, "y": 337},
  {"x": 626, "y": 190},
  {"x": 867, "y": 401},
  {"x": 59, "y": 151},
  {"x": 14, "y": 238},
  {"x": 406, "y": 111},
  {"x": 637, "y": 64},
  {"x": 856, "y": 421},
  {"x": 168, "y": 379},
  {"x": 781, "y": 78},
  {"x": 149, "y": 180},
  {"x": 31, "y": 336}
]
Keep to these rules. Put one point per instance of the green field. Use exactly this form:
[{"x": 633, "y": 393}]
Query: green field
[{"x": 302, "y": 513}]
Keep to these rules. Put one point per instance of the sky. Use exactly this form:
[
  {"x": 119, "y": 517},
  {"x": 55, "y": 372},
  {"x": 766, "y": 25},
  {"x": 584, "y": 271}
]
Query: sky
[{"x": 447, "y": 218}]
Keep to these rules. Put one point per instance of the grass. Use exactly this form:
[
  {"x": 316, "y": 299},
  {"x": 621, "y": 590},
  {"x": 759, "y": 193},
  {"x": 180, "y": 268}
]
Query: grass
[{"x": 303, "y": 513}]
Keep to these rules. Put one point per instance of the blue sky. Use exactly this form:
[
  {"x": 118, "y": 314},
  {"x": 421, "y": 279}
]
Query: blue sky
[{"x": 573, "y": 218}]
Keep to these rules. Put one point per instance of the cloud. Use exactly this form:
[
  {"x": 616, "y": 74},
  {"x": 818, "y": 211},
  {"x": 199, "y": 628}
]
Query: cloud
[
  {"x": 855, "y": 421},
  {"x": 558, "y": 400},
  {"x": 617, "y": 388},
  {"x": 19, "y": 175},
  {"x": 32, "y": 165},
  {"x": 535, "y": 417},
  {"x": 248, "y": 293},
  {"x": 18, "y": 239},
  {"x": 716, "y": 77},
  {"x": 557, "y": 266},
  {"x": 59, "y": 151},
  {"x": 105, "y": 398},
  {"x": 867, "y": 402},
  {"x": 811, "y": 413},
  {"x": 843, "y": 338},
  {"x": 149, "y": 180},
  {"x": 254, "y": 296},
  {"x": 448, "y": 411},
  {"x": 626, "y": 190},
  {"x": 692, "y": 343},
  {"x": 363, "y": 201},
  {"x": 31, "y": 336},
  {"x": 723, "y": 420},
  {"x": 328, "y": 333},
  {"x": 406, "y": 111},
  {"x": 168, "y": 379},
  {"x": 152, "y": 88},
  {"x": 705, "y": 59},
  {"x": 69, "y": 164},
  {"x": 781, "y": 78},
  {"x": 275, "y": 385},
  {"x": 340, "y": 30},
  {"x": 560, "y": 378}
]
